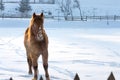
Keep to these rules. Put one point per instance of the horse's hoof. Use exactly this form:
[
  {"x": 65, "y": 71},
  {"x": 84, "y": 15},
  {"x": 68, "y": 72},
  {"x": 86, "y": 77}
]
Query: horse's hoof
[
  {"x": 48, "y": 78},
  {"x": 34, "y": 79}
]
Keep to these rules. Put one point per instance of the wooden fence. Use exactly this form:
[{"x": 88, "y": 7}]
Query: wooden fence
[
  {"x": 86, "y": 18},
  {"x": 111, "y": 77}
]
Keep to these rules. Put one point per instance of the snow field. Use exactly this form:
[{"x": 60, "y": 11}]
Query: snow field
[{"x": 86, "y": 48}]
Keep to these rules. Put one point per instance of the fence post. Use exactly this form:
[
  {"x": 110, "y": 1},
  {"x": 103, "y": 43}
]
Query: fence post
[
  {"x": 41, "y": 78},
  {"x": 111, "y": 77},
  {"x": 114, "y": 17},
  {"x": 76, "y": 77},
  {"x": 11, "y": 78}
]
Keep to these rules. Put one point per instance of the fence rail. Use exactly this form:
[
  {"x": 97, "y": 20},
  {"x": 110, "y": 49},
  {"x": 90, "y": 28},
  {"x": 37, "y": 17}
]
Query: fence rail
[
  {"x": 111, "y": 77},
  {"x": 85, "y": 18},
  {"x": 70, "y": 18}
]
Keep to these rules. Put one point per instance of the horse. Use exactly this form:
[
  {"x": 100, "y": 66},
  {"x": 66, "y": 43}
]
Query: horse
[{"x": 36, "y": 44}]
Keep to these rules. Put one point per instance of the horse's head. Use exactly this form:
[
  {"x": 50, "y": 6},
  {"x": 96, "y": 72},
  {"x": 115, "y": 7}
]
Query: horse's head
[{"x": 37, "y": 26}]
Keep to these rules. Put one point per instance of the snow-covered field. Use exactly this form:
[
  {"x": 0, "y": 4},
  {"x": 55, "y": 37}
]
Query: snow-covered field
[{"x": 91, "y": 49}]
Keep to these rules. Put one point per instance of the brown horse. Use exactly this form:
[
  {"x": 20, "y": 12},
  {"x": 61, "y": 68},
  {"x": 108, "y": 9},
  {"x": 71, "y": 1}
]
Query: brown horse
[{"x": 36, "y": 44}]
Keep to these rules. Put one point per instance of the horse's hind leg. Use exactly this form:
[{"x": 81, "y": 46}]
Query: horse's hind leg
[
  {"x": 29, "y": 64},
  {"x": 45, "y": 64}
]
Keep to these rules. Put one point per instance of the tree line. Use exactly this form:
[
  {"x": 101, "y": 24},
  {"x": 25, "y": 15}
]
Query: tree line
[
  {"x": 24, "y": 6},
  {"x": 65, "y": 7}
]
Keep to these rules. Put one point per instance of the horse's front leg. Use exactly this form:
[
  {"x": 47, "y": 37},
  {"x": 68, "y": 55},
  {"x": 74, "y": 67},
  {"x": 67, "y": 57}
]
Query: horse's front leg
[
  {"x": 35, "y": 67},
  {"x": 29, "y": 61},
  {"x": 45, "y": 64},
  {"x": 29, "y": 65}
]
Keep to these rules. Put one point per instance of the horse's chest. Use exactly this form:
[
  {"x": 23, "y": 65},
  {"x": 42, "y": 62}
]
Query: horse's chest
[{"x": 36, "y": 47}]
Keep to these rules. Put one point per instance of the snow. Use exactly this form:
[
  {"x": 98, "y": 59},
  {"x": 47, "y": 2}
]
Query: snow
[{"x": 90, "y": 49}]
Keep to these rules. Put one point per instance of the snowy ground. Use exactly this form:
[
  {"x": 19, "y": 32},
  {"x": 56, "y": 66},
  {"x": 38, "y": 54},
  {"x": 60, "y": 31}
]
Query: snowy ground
[{"x": 90, "y": 49}]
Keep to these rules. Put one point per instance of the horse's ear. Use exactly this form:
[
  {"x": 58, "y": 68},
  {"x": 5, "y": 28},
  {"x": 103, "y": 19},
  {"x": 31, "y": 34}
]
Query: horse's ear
[
  {"x": 42, "y": 15},
  {"x": 34, "y": 15}
]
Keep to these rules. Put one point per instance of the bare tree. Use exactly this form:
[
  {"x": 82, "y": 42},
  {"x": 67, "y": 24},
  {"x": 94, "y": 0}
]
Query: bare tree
[
  {"x": 66, "y": 8},
  {"x": 34, "y": 1},
  {"x": 79, "y": 7},
  {"x": 1, "y": 6},
  {"x": 71, "y": 14}
]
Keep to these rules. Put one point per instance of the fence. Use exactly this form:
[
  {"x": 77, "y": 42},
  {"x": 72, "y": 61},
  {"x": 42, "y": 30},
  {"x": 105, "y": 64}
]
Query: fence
[
  {"x": 70, "y": 18},
  {"x": 86, "y": 18},
  {"x": 111, "y": 77}
]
